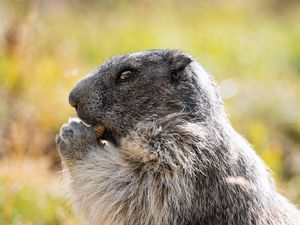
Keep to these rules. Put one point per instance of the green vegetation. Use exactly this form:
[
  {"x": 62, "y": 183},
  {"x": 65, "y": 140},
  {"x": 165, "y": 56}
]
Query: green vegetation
[{"x": 253, "y": 51}]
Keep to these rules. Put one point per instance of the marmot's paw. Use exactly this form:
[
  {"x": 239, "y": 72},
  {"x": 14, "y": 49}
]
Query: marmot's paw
[{"x": 75, "y": 139}]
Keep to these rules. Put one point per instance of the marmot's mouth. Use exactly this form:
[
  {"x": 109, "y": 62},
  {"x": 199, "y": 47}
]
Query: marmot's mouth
[{"x": 105, "y": 134}]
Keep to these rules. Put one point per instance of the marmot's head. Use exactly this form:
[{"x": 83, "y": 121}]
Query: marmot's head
[{"x": 144, "y": 86}]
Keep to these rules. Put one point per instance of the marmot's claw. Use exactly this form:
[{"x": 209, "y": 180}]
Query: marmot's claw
[
  {"x": 60, "y": 144},
  {"x": 68, "y": 133}
]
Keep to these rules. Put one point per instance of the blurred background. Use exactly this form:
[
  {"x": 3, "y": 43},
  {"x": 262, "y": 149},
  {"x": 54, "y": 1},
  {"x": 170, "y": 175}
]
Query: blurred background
[{"x": 251, "y": 47}]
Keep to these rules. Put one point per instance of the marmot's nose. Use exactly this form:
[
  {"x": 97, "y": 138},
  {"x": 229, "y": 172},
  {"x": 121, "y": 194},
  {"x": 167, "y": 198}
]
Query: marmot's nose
[{"x": 74, "y": 98}]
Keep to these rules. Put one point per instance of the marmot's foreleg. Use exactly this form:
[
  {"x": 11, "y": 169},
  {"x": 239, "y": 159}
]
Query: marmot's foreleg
[{"x": 75, "y": 141}]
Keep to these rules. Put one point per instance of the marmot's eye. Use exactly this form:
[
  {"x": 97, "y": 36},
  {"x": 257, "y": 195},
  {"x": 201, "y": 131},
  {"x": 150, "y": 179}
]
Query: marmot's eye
[{"x": 125, "y": 75}]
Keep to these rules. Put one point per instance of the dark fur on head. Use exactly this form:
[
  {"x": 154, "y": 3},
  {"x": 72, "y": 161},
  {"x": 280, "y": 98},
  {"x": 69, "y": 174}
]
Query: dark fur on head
[
  {"x": 159, "y": 85},
  {"x": 170, "y": 154}
]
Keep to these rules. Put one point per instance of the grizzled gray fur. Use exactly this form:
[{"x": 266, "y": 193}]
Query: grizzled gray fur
[{"x": 168, "y": 155}]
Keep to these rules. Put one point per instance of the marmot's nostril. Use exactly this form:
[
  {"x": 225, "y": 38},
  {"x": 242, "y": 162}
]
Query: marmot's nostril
[{"x": 73, "y": 100}]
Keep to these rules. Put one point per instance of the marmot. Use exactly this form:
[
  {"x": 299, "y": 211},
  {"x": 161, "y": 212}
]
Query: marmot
[{"x": 165, "y": 152}]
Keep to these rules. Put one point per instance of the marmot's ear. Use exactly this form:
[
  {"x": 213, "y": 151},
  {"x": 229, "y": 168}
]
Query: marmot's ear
[{"x": 178, "y": 62}]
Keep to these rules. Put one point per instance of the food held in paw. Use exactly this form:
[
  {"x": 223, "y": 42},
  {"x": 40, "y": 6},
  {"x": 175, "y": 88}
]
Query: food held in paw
[{"x": 99, "y": 130}]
